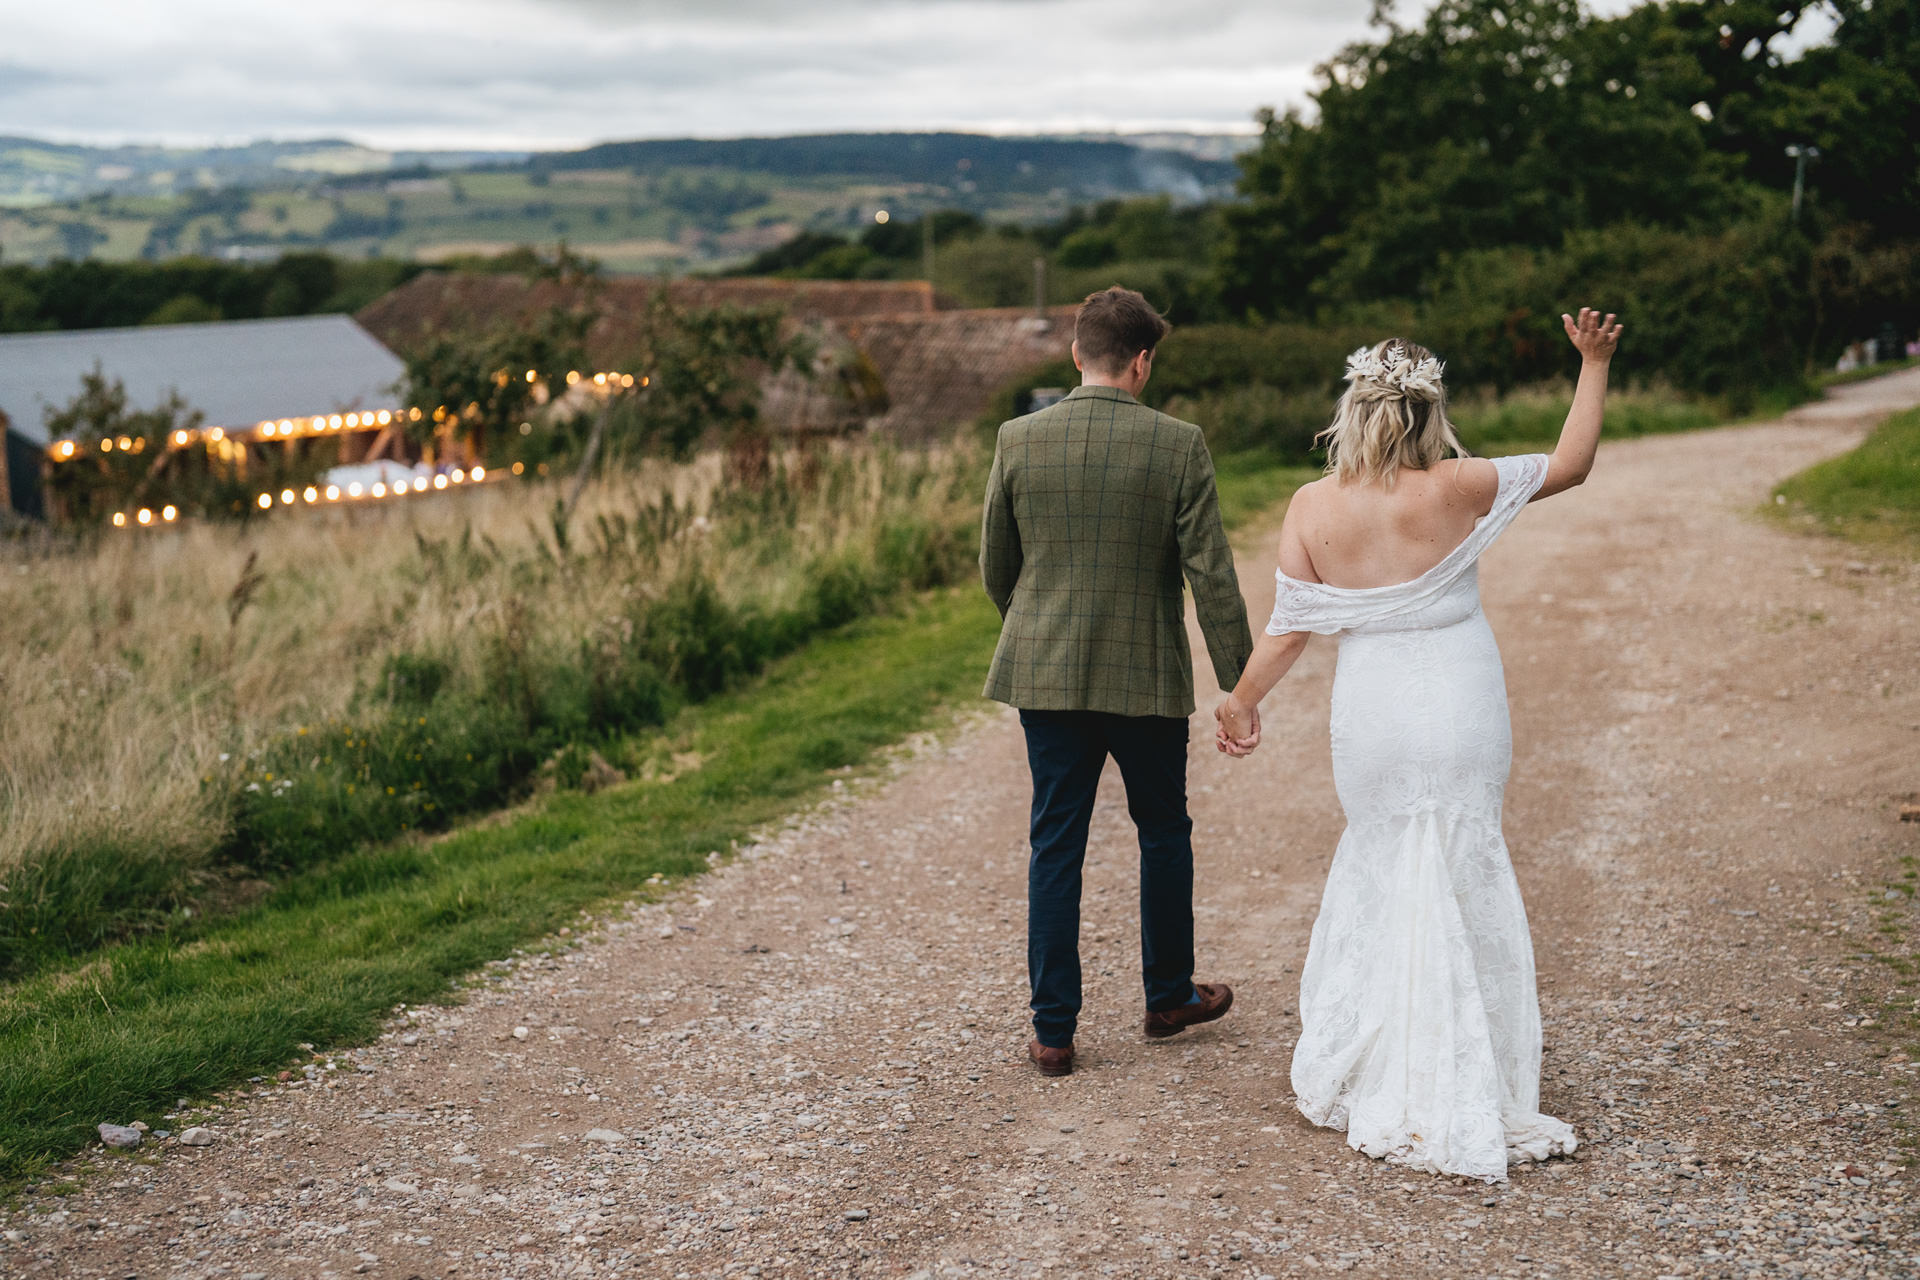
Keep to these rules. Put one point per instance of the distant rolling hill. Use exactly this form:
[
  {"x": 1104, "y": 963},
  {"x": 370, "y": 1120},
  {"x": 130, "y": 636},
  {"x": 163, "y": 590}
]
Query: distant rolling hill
[
  {"x": 666, "y": 205},
  {"x": 968, "y": 161}
]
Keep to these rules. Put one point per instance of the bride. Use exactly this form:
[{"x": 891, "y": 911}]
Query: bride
[{"x": 1420, "y": 1027}]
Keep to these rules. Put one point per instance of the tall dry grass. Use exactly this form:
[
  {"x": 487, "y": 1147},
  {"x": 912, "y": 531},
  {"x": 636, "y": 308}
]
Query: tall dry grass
[{"x": 140, "y": 674}]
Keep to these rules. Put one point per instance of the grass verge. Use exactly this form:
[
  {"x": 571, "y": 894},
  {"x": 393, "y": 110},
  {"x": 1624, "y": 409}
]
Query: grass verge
[
  {"x": 1254, "y": 482},
  {"x": 136, "y": 1026},
  {"x": 1870, "y": 494}
]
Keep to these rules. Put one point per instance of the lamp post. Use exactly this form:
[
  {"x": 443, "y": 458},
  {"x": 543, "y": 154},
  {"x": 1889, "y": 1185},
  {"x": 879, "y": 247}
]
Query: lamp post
[{"x": 1800, "y": 155}]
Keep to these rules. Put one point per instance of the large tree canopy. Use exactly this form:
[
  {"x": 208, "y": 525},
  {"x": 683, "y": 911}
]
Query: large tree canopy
[{"x": 1513, "y": 123}]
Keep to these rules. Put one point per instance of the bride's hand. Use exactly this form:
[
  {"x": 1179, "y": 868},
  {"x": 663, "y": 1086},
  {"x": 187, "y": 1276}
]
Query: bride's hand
[
  {"x": 1593, "y": 337},
  {"x": 1239, "y": 731}
]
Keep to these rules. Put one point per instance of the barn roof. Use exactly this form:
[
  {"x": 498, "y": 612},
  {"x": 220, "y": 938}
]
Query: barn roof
[
  {"x": 235, "y": 372},
  {"x": 441, "y": 302},
  {"x": 943, "y": 369}
]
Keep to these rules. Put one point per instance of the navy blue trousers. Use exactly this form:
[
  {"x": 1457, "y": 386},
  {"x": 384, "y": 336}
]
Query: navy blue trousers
[{"x": 1066, "y": 751}]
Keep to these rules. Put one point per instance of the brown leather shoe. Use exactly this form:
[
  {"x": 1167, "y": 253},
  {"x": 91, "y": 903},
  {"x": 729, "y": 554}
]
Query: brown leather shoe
[
  {"x": 1052, "y": 1062},
  {"x": 1215, "y": 999}
]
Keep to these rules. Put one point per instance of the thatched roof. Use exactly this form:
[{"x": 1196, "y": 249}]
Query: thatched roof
[
  {"x": 942, "y": 369},
  {"x": 440, "y": 302},
  {"x": 939, "y": 368}
]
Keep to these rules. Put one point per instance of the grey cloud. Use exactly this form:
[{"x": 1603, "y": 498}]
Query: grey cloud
[{"x": 561, "y": 72}]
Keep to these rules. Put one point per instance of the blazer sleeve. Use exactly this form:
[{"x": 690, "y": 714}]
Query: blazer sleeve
[
  {"x": 1207, "y": 559},
  {"x": 999, "y": 538}
]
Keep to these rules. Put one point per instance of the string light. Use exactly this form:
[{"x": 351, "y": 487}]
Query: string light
[
  {"x": 168, "y": 512},
  {"x": 266, "y": 501},
  {"x": 145, "y": 516},
  {"x": 379, "y": 489},
  {"x": 286, "y": 497},
  {"x": 312, "y": 494},
  {"x": 119, "y": 519},
  {"x": 439, "y": 482},
  {"x": 333, "y": 493}
]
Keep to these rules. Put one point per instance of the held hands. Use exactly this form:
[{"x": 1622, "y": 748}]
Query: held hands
[
  {"x": 1593, "y": 337},
  {"x": 1239, "y": 731}
]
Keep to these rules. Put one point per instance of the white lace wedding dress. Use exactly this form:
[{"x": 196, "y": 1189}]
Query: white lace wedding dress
[{"x": 1420, "y": 1027}]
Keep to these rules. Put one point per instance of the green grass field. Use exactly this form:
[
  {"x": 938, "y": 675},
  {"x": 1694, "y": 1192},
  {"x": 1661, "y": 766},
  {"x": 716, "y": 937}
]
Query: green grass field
[
  {"x": 670, "y": 221},
  {"x": 1871, "y": 494},
  {"x": 128, "y": 1030}
]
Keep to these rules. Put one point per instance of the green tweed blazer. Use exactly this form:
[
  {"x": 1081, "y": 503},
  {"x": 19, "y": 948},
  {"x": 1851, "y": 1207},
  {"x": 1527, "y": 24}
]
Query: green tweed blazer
[{"x": 1095, "y": 507}]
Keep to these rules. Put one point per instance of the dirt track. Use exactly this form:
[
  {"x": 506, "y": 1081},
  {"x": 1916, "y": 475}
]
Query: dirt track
[{"x": 814, "y": 1059}]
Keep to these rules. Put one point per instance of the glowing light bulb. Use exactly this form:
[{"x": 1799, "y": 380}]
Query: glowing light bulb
[
  {"x": 180, "y": 437},
  {"x": 126, "y": 442},
  {"x": 518, "y": 467},
  {"x": 479, "y": 473},
  {"x": 146, "y": 516},
  {"x": 626, "y": 379},
  {"x": 458, "y": 475},
  {"x": 881, "y": 216},
  {"x": 312, "y": 494},
  {"x": 379, "y": 489},
  {"x": 532, "y": 376},
  {"x": 119, "y": 519},
  {"x": 266, "y": 501},
  {"x": 216, "y": 435},
  {"x": 419, "y": 484},
  {"x": 106, "y": 446},
  {"x": 573, "y": 376},
  {"x": 286, "y": 426},
  {"x": 286, "y": 496},
  {"x": 334, "y": 422},
  {"x": 353, "y": 420},
  {"x": 168, "y": 512},
  {"x": 439, "y": 482},
  {"x": 385, "y": 416},
  {"x": 333, "y": 493},
  {"x": 599, "y": 379},
  {"x": 353, "y": 490}
]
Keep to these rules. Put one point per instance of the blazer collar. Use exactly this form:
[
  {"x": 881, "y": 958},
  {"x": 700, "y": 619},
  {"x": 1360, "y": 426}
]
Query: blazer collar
[{"x": 1084, "y": 392}]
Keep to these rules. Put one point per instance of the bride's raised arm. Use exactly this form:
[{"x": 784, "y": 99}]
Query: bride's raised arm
[{"x": 1572, "y": 458}]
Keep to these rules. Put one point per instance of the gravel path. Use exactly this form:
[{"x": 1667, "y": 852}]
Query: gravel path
[{"x": 812, "y": 1062}]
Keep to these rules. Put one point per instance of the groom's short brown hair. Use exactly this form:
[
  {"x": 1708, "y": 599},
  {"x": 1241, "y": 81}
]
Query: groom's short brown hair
[{"x": 1114, "y": 326}]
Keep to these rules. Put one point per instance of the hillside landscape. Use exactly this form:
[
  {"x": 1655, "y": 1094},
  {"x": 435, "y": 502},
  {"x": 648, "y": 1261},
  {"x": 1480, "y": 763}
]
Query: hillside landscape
[{"x": 666, "y": 205}]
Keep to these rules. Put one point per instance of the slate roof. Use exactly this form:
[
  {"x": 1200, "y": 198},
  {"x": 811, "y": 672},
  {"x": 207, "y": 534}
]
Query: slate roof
[{"x": 236, "y": 372}]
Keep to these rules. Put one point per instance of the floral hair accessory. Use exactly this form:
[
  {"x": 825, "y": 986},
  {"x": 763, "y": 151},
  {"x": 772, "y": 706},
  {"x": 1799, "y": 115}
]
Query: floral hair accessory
[{"x": 1393, "y": 369}]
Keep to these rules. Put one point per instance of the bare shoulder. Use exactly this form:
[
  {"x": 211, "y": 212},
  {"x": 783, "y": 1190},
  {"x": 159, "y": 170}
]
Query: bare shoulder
[
  {"x": 1293, "y": 556},
  {"x": 1309, "y": 495},
  {"x": 1475, "y": 481}
]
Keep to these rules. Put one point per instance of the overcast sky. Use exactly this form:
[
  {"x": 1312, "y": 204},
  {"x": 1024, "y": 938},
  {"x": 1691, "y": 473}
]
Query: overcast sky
[{"x": 559, "y": 73}]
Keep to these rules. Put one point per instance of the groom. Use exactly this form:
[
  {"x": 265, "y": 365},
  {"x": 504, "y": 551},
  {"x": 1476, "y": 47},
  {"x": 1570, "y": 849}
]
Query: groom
[{"x": 1094, "y": 508}]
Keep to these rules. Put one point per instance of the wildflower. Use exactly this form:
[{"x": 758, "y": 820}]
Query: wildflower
[{"x": 389, "y": 790}]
